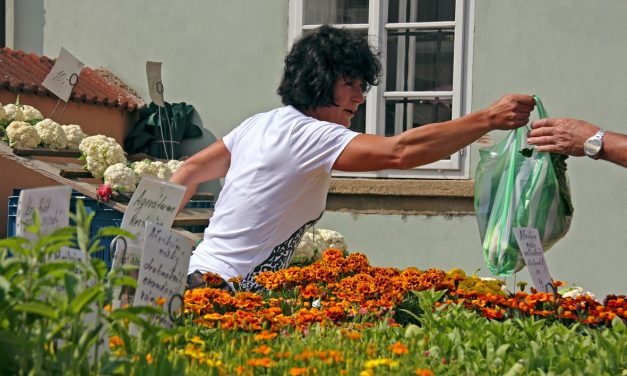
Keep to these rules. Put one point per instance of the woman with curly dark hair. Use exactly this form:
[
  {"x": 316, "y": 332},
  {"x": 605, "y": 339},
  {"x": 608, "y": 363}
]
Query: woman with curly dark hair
[{"x": 277, "y": 165}]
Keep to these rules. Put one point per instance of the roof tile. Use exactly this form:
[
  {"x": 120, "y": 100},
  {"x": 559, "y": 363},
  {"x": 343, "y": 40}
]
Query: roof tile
[{"x": 21, "y": 72}]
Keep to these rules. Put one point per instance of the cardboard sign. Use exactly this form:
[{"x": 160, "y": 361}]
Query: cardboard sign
[
  {"x": 64, "y": 75},
  {"x": 163, "y": 269},
  {"x": 156, "y": 201},
  {"x": 52, "y": 204},
  {"x": 530, "y": 245},
  {"x": 155, "y": 85}
]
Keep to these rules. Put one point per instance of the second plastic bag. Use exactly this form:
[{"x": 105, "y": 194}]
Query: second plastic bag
[{"x": 515, "y": 187}]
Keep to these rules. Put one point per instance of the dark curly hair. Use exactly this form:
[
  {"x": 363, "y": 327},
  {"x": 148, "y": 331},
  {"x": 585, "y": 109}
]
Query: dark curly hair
[{"x": 316, "y": 61}]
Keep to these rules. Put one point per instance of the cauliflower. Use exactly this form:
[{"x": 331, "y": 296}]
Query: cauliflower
[
  {"x": 3, "y": 113},
  {"x": 157, "y": 169},
  {"x": 313, "y": 243},
  {"x": 100, "y": 152},
  {"x": 174, "y": 165},
  {"x": 31, "y": 113},
  {"x": 74, "y": 135},
  {"x": 22, "y": 135},
  {"x": 14, "y": 112},
  {"x": 120, "y": 177},
  {"x": 51, "y": 133}
]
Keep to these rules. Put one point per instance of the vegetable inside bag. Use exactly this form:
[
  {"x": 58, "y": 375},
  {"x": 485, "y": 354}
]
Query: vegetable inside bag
[{"x": 518, "y": 187}]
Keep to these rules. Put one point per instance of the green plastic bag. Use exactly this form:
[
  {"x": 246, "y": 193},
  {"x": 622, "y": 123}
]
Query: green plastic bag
[{"x": 516, "y": 186}]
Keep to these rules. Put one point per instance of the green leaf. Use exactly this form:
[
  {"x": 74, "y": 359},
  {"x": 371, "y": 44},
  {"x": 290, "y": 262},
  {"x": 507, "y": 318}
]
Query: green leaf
[
  {"x": 85, "y": 298},
  {"x": 37, "y": 308}
]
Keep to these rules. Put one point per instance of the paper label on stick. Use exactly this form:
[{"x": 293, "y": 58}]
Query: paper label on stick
[
  {"x": 163, "y": 269},
  {"x": 52, "y": 204},
  {"x": 156, "y": 201},
  {"x": 530, "y": 246},
  {"x": 64, "y": 75},
  {"x": 155, "y": 85}
]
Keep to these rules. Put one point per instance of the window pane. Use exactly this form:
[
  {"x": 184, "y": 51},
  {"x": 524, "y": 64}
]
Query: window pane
[
  {"x": 317, "y": 12},
  {"x": 420, "y": 60},
  {"x": 421, "y": 10},
  {"x": 404, "y": 114},
  {"x": 358, "y": 123}
]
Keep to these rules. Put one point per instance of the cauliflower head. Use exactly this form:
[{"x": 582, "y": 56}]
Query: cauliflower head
[
  {"x": 3, "y": 113},
  {"x": 100, "y": 152},
  {"x": 51, "y": 133},
  {"x": 14, "y": 112},
  {"x": 156, "y": 169},
  {"x": 74, "y": 134},
  {"x": 31, "y": 113},
  {"x": 313, "y": 243},
  {"x": 174, "y": 165},
  {"x": 22, "y": 135},
  {"x": 120, "y": 177}
]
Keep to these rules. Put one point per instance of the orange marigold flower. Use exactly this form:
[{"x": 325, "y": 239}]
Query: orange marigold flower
[
  {"x": 295, "y": 371},
  {"x": 212, "y": 279},
  {"x": 423, "y": 372},
  {"x": 350, "y": 334},
  {"x": 160, "y": 301},
  {"x": 115, "y": 341},
  {"x": 265, "y": 335},
  {"x": 398, "y": 348},
  {"x": 261, "y": 362},
  {"x": 149, "y": 358},
  {"x": 263, "y": 350}
]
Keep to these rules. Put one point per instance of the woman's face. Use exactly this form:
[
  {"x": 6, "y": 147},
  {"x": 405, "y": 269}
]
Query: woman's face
[{"x": 348, "y": 95}]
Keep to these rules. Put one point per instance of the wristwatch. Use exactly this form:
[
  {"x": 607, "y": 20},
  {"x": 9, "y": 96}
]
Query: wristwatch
[{"x": 592, "y": 147}]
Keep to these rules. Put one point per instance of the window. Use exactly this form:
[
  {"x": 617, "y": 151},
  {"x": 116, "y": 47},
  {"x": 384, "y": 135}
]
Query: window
[{"x": 425, "y": 55}]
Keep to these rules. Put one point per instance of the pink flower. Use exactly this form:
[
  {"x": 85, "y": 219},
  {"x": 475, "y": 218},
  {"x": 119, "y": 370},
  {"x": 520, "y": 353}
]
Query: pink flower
[{"x": 104, "y": 192}]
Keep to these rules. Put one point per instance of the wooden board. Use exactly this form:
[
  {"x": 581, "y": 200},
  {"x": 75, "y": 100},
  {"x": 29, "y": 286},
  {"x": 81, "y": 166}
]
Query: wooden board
[{"x": 45, "y": 152}]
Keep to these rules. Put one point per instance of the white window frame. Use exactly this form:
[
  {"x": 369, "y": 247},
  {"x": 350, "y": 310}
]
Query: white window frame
[{"x": 458, "y": 165}]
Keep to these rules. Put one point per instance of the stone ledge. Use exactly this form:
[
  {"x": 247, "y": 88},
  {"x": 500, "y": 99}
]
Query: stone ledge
[
  {"x": 403, "y": 187},
  {"x": 401, "y": 197}
]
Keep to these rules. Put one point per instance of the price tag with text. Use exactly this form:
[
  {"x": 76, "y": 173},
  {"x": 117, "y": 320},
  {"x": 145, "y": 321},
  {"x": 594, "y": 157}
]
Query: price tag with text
[
  {"x": 163, "y": 270},
  {"x": 530, "y": 246},
  {"x": 64, "y": 75},
  {"x": 52, "y": 205},
  {"x": 155, "y": 85}
]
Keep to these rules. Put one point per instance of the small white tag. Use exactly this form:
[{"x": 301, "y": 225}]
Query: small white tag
[
  {"x": 64, "y": 75},
  {"x": 155, "y": 86},
  {"x": 530, "y": 246}
]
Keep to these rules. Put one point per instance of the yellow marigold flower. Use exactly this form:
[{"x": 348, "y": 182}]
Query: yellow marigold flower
[
  {"x": 197, "y": 340},
  {"x": 374, "y": 363},
  {"x": 399, "y": 349},
  {"x": 107, "y": 308},
  {"x": 149, "y": 358}
]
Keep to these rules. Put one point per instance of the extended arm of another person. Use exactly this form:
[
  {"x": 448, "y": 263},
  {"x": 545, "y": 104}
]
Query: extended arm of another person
[
  {"x": 567, "y": 136},
  {"x": 432, "y": 142},
  {"x": 209, "y": 164}
]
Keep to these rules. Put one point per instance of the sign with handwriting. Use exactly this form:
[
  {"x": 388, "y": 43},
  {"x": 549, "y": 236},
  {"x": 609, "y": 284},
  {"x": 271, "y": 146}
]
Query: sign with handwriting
[
  {"x": 156, "y": 201},
  {"x": 530, "y": 245},
  {"x": 155, "y": 85},
  {"x": 51, "y": 203},
  {"x": 163, "y": 269},
  {"x": 64, "y": 75}
]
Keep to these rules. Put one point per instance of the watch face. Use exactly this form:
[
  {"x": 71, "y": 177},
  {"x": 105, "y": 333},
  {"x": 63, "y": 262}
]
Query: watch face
[{"x": 592, "y": 147}]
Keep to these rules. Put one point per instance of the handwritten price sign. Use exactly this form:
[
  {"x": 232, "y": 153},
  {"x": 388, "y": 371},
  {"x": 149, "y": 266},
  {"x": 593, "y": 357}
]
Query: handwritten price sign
[
  {"x": 64, "y": 75},
  {"x": 155, "y": 85},
  {"x": 530, "y": 245}
]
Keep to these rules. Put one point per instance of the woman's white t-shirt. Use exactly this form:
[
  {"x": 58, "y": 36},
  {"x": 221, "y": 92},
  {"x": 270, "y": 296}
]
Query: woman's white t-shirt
[{"x": 276, "y": 186}]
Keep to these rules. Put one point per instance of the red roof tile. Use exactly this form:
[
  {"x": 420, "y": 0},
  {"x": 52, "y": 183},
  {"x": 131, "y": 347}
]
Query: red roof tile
[{"x": 21, "y": 72}]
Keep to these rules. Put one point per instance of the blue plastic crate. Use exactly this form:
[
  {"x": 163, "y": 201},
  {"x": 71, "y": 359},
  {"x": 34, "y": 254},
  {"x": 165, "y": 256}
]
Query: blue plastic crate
[{"x": 104, "y": 217}]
